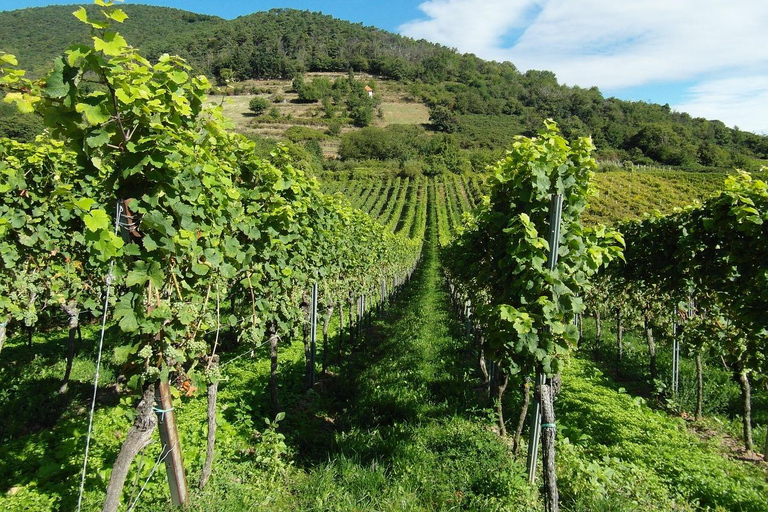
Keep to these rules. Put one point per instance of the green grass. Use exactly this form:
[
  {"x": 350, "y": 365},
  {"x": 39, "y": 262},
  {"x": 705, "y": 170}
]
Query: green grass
[
  {"x": 651, "y": 459},
  {"x": 401, "y": 112}
]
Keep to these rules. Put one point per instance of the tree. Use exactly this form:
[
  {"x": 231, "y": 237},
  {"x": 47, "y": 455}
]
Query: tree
[
  {"x": 442, "y": 119},
  {"x": 258, "y": 105}
]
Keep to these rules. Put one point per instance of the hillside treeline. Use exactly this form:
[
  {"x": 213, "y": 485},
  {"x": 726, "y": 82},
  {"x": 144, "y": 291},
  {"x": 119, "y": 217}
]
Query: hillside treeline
[{"x": 483, "y": 103}]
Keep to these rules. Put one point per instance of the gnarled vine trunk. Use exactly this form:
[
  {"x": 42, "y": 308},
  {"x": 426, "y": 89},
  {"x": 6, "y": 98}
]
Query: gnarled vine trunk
[
  {"x": 326, "y": 324},
  {"x": 699, "y": 386},
  {"x": 138, "y": 437},
  {"x": 525, "y": 389},
  {"x": 765, "y": 447},
  {"x": 481, "y": 358},
  {"x": 305, "y": 308},
  {"x": 501, "y": 387},
  {"x": 580, "y": 324},
  {"x": 2, "y": 334},
  {"x": 746, "y": 404},
  {"x": 71, "y": 309},
  {"x": 598, "y": 331},
  {"x": 651, "y": 347},
  {"x": 273, "y": 339},
  {"x": 351, "y": 322},
  {"x": 341, "y": 328},
  {"x": 619, "y": 339}
]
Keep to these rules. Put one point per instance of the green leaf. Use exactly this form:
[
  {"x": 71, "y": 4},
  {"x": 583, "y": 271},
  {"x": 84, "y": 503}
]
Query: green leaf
[
  {"x": 228, "y": 271},
  {"x": 113, "y": 44},
  {"x": 156, "y": 275},
  {"x": 135, "y": 277},
  {"x": 98, "y": 138},
  {"x": 24, "y": 102},
  {"x": 76, "y": 53},
  {"x": 82, "y": 15},
  {"x": 95, "y": 112},
  {"x": 59, "y": 81},
  {"x": 96, "y": 220},
  {"x": 123, "y": 352},
  {"x": 179, "y": 77},
  {"x": 149, "y": 244},
  {"x": 200, "y": 269},
  {"x": 129, "y": 323},
  {"x": 85, "y": 203},
  {"x": 132, "y": 250},
  {"x": 9, "y": 59},
  {"x": 118, "y": 15}
]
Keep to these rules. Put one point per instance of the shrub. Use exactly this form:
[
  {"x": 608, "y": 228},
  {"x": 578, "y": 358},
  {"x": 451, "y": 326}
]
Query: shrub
[
  {"x": 258, "y": 105},
  {"x": 334, "y": 128}
]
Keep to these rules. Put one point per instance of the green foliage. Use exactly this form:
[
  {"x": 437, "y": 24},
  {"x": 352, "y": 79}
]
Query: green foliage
[
  {"x": 45, "y": 224},
  {"x": 258, "y": 105},
  {"x": 271, "y": 451},
  {"x": 442, "y": 119},
  {"x": 313, "y": 91},
  {"x": 198, "y": 213},
  {"x": 360, "y": 105},
  {"x": 144, "y": 137},
  {"x": 716, "y": 251},
  {"x": 14, "y": 125},
  {"x": 501, "y": 261}
]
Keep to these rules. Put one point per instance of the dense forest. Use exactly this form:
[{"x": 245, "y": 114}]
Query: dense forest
[{"x": 481, "y": 104}]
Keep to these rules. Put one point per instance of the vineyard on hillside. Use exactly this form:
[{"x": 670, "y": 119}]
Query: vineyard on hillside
[{"x": 185, "y": 323}]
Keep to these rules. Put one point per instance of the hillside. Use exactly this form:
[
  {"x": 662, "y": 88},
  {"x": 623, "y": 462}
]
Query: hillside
[
  {"x": 38, "y": 35},
  {"x": 480, "y": 104}
]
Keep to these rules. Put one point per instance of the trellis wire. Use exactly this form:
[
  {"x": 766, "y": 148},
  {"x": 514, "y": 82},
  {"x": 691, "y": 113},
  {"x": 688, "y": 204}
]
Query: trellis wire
[
  {"x": 160, "y": 459},
  {"x": 110, "y": 277}
]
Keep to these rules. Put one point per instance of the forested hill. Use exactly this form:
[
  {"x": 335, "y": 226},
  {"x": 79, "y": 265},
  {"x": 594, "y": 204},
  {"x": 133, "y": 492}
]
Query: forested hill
[
  {"x": 38, "y": 35},
  {"x": 483, "y": 103}
]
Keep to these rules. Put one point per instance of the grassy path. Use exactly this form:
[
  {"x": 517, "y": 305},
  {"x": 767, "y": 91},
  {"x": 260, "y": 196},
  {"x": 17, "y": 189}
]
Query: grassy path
[{"x": 407, "y": 431}]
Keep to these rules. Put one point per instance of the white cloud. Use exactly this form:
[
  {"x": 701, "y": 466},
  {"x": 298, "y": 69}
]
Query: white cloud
[
  {"x": 609, "y": 43},
  {"x": 734, "y": 101},
  {"x": 469, "y": 26}
]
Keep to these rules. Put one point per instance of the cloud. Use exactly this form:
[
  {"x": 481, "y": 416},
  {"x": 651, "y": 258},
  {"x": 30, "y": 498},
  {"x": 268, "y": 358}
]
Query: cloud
[
  {"x": 738, "y": 101},
  {"x": 610, "y": 44},
  {"x": 470, "y": 26}
]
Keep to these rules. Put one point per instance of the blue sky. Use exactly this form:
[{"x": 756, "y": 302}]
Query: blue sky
[{"x": 705, "y": 57}]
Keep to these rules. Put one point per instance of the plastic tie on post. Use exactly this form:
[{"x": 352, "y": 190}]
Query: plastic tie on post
[{"x": 162, "y": 412}]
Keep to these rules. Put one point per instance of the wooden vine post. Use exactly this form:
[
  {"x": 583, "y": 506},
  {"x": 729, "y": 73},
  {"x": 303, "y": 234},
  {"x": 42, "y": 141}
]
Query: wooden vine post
[
  {"x": 555, "y": 219},
  {"x": 169, "y": 437},
  {"x": 213, "y": 390}
]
